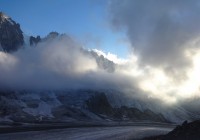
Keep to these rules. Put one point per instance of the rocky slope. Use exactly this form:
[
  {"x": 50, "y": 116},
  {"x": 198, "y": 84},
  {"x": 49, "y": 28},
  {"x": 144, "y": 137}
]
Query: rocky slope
[
  {"x": 67, "y": 106},
  {"x": 187, "y": 131},
  {"x": 100, "y": 105}
]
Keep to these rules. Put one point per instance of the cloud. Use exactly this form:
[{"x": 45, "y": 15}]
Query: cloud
[
  {"x": 164, "y": 64},
  {"x": 159, "y": 31},
  {"x": 112, "y": 57},
  {"x": 51, "y": 63},
  {"x": 59, "y": 63},
  {"x": 164, "y": 37}
]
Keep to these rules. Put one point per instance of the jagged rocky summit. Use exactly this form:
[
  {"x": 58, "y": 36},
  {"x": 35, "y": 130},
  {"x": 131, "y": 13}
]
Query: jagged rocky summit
[
  {"x": 11, "y": 35},
  {"x": 11, "y": 39}
]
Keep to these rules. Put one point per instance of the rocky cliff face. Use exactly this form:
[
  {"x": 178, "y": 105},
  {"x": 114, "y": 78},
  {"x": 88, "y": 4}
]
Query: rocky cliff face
[
  {"x": 11, "y": 37},
  {"x": 100, "y": 105},
  {"x": 34, "y": 40}
]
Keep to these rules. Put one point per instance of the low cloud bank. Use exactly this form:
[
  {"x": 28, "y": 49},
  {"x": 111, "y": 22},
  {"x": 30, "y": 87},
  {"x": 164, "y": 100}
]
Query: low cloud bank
[
  {"x": 164, "y": 65},
  {"x": 59, "y": 63}
]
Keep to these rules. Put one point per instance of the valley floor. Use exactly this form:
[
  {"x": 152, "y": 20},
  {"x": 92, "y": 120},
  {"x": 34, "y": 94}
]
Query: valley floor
[{"x": 91, "y": 133}]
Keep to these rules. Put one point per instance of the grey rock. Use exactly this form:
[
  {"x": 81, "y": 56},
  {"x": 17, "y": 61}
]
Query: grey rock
[{"x": 11, "y": 37}]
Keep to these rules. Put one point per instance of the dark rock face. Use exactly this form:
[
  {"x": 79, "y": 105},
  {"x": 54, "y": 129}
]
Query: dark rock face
[
  {"x": 130, "y": 113},
  {"x": 34, "y": 40},
  {"x": 11, "y": 37},
  {"x": 51, "y": 35},
  {"x": 187, "y": 131},
  {"x": 103, "y": 63},
  {"x": 100, "y": 105}
]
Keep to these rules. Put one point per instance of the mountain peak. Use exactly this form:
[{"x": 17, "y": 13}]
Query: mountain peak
[
  {"x": 11, "y": 37},
  {"x": 6, "y": 18},
  {"x": 3, "y": 14}
]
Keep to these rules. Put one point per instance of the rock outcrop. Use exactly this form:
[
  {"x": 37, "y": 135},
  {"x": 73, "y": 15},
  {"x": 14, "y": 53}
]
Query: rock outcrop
[
  {"x": 100, "y": 105},
  {"x": 186, "y": 131},
  {"x": 34, "y": 40},
  {"x": 11, "y": 36}
]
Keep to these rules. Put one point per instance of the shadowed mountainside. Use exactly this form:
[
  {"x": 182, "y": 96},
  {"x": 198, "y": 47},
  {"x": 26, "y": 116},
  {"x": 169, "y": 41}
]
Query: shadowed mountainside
[{"x": 187, "y": 131}]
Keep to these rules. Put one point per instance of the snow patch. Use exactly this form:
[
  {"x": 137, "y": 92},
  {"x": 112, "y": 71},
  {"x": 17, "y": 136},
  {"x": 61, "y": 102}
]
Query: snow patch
[
  {"x": 112, "y": 57},
  {"x": 42, "y": 110}
]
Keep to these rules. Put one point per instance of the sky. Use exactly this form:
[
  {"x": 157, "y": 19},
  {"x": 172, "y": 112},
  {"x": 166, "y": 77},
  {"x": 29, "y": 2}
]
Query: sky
[
  {"x": 83, "y": 19},
  {"x": 153, "y": 44}
]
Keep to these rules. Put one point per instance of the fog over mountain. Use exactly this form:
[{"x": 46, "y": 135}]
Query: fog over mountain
[
  {"x": 58, "y": 61},
  {"x": 55, "y": 63},
  {"x": 161, "y": 70}
]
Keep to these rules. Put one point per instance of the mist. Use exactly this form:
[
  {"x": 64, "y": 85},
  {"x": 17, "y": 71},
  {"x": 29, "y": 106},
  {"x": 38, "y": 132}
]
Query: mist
[
  {"x": 163, "y": 64},
  {"x": 164, "y": 37},
  {"x": 59, "y": 63},
  {"x": 62, "y": 63}
]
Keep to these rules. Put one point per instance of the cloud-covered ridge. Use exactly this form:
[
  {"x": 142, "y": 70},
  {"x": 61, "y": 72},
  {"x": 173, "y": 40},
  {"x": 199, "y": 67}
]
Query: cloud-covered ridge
[{"x": 58, "y": 63}]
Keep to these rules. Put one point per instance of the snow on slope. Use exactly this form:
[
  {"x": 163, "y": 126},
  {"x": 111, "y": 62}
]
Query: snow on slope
[{"x": 71, "y": 105}]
